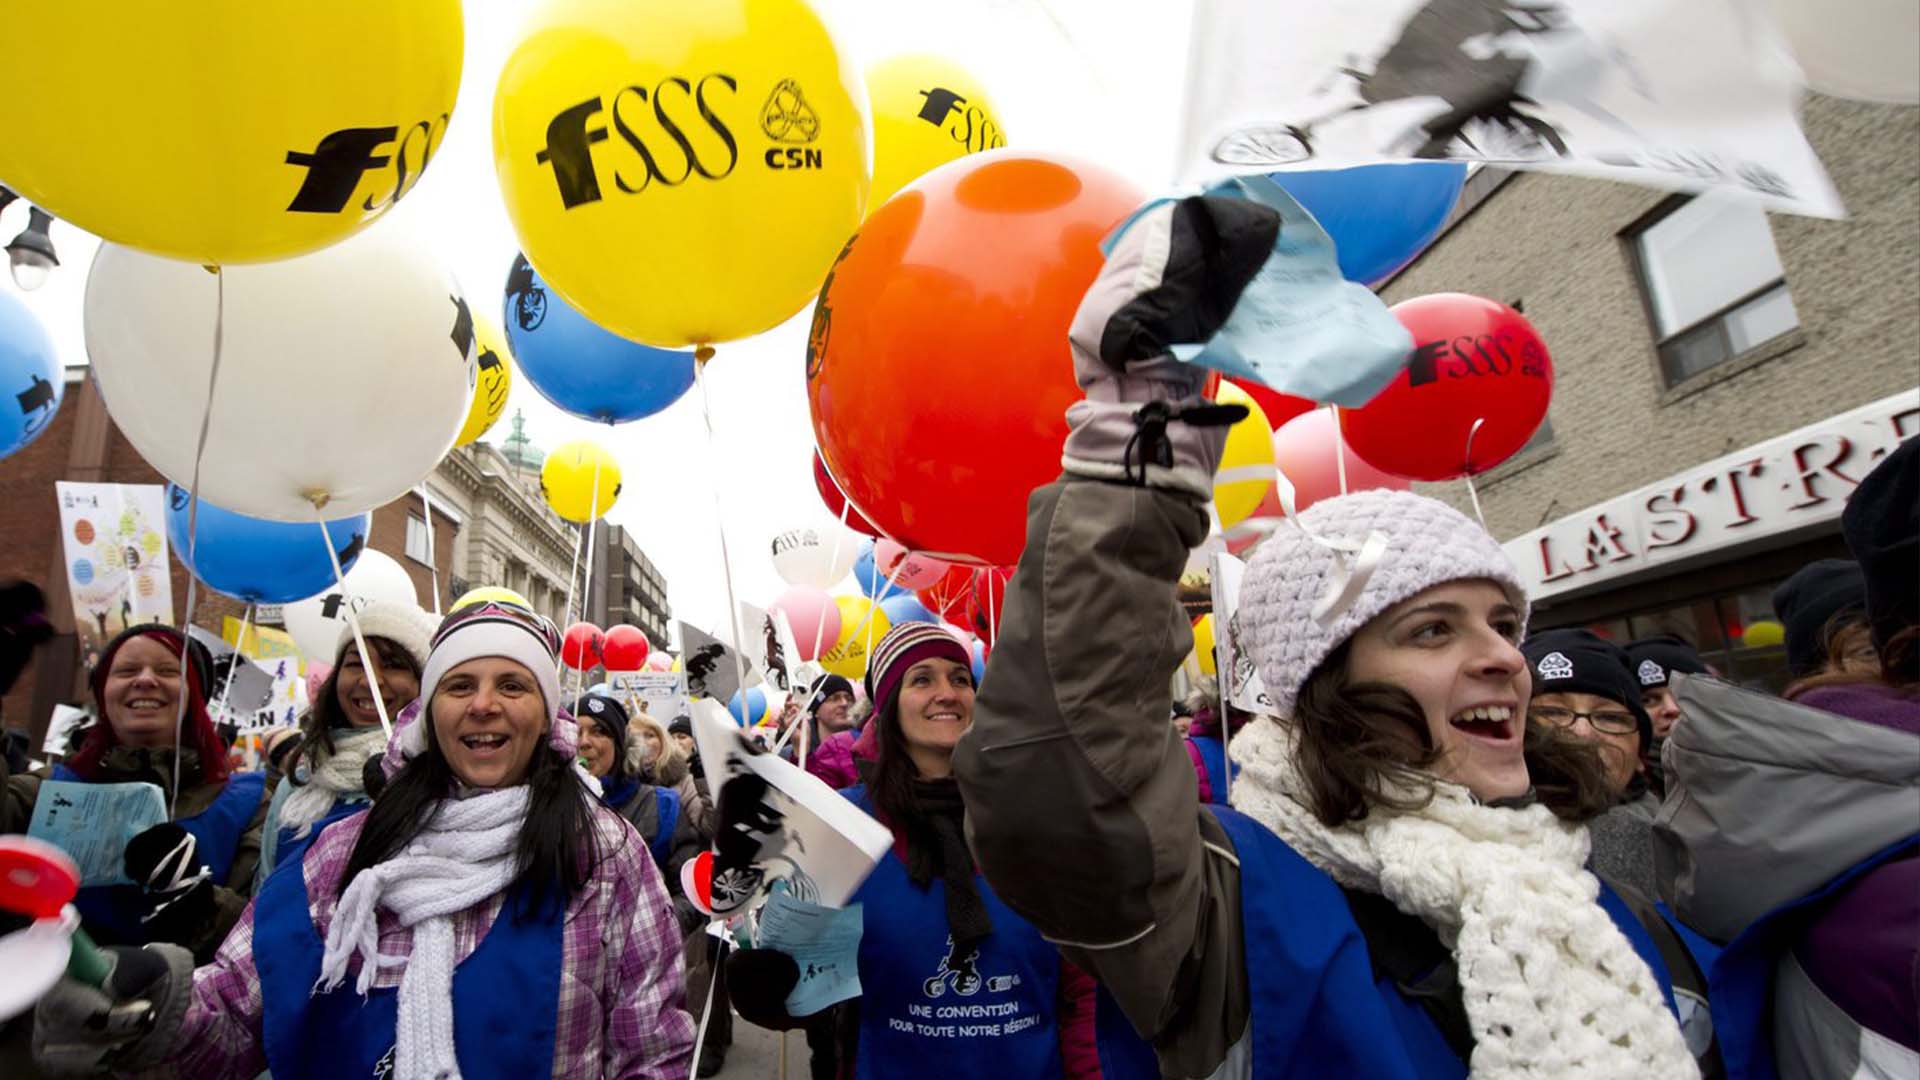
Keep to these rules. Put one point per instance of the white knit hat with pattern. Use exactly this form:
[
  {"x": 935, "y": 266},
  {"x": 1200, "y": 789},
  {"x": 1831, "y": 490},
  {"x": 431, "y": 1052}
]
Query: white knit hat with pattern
[
  {"x": 1317, "y": 580},
  {"x": 406, "y": 625}
]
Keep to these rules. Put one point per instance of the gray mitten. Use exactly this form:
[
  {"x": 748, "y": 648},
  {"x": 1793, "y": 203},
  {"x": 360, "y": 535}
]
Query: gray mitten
[
  {"x": 1173, "y": 278},
  {"x": 126, "y": 1025}
]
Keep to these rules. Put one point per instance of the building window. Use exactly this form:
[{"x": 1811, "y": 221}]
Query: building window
[
  {"x": 417, "y": 539},
  {"x": 1713, "y": 283}
]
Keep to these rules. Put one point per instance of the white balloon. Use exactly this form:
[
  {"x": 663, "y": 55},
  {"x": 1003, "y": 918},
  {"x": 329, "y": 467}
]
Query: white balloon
[
  {"x": 817, "y": 555},
  {"x": 342, "y": 373},
  {"x": 1868, "y": 50},
  {"x": 316, "y": 623}
]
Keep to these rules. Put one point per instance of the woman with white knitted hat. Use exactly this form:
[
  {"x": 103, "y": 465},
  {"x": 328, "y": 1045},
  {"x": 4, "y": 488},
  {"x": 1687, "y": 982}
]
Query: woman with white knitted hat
[
  {"x": 1400, "y": 889},
  {"x": 486, "y": 917},
  {"x": 341, "y": 730}
]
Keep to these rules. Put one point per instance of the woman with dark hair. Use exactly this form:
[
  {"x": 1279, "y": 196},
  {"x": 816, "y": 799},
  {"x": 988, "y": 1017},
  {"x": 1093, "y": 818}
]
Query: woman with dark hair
[
  {"x": 1399, "y": 889},
  {"x": 485, "y": 917},
  {"x": 934, "y": 934},
  {"x": 192, "y": 875},
  {"x": 1823, "y": 612},
  {"x": 341, "y": 732}
]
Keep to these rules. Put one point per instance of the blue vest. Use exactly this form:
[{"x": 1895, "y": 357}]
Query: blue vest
[
  {"x": 505, "y": 995},
  {"x": 1213, "y": 756},
  {"x": 1742, "y": 978},
  {"x": 290, "y": 848},
  {"x": 667, "y": 813},
  {"x": 1318, "y": 1009},
  {"x": 111, "y": 913},
  {"x": 927, "y": 1012}
]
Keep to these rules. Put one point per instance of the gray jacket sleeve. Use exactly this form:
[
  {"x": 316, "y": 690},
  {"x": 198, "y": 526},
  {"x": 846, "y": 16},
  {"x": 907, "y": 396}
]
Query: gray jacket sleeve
[{"x": 1081, "y": 802}]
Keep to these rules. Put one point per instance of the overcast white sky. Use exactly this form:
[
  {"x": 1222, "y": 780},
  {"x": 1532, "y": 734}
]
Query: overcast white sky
[{"x": 1099, "y": 79}]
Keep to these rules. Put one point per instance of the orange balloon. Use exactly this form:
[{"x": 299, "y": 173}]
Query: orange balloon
[{"x": 938, "y": 370}]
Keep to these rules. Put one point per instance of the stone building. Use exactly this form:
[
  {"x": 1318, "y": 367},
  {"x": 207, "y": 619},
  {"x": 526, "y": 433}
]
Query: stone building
[
  {"x": 1722, "y": 378},
  {"x": 626, "y": 587}
]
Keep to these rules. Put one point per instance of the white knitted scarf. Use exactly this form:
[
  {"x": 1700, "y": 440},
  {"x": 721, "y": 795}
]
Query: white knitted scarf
[
  {"x": 339, "y": 774},
  {"x": 1553, "y": 989},
  {"x": 463, "y": 856}
]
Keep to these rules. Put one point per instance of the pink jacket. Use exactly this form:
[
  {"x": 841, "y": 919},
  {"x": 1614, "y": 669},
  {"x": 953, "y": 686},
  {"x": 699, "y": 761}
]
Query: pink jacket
[{"x": 832, "y": 761}]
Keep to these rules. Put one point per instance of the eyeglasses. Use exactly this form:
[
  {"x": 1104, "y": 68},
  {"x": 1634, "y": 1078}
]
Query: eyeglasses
[{"x": 1608, "y": 721}]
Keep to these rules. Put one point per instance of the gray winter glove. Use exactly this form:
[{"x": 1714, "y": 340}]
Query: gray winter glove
[
  {"x": 126, "y": 1025},
  {"x": 1173, "y": 278}
]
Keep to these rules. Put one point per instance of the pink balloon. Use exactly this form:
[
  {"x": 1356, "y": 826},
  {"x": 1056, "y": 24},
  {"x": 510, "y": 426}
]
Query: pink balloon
[
  {"x": 814, "y": 616},
  {"x": 1304, "y": 448},
  {"x": 905, "y": 569},
  {"x": 658, "y": 661}
]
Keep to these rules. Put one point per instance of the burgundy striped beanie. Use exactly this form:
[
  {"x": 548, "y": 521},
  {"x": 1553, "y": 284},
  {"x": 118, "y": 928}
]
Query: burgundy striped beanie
[{"x": 904, "y": 646}]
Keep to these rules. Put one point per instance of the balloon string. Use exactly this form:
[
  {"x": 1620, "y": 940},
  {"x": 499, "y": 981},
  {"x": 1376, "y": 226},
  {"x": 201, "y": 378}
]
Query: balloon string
[
  {"x": 353, "y": 624},
  {"x": 573, "y": 577},
  {"x": 706, "y": 1010},
  {"x": 193, "y": 523},
  {"x": 433, "y": 568},
  {"x": 1472, "y": 494},
  {"x": 993, "y": 618},
  {"x": 820, "y": 625},
  {"x": 874, "y": 605},
  {"x": 586, "y": 580},
  {"x": 701, "y": 355},
  {"x": 1339, "y": 447}
]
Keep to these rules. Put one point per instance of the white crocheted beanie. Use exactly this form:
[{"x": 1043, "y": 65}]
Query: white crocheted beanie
[
  {"x": 403, "y": 624},
  {"x": 1302, "y": 598}
]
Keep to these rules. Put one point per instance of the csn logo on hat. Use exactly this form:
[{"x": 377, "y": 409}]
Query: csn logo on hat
[
  {"x": 1652, "y": 674},
  {"x": 1555, "y": 665}
]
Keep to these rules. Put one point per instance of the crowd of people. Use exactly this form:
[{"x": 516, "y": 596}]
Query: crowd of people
[{"x": 1458, "y": 847}]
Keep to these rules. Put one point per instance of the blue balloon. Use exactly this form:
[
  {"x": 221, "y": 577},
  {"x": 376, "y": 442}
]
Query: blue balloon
[
  {"x": 30, "y": 376},
  {"x": 262, "y": 562},
  {"x": 873, "y": 584},
  {"x": 1380, "y": 216},
  {"x": 581, "y": 367},
  {"x": 756, "y": 706},
  {"x": 906, "y": 609}
]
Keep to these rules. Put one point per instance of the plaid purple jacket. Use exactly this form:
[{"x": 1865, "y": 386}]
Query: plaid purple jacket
[{"x": 620, "y": 1011}]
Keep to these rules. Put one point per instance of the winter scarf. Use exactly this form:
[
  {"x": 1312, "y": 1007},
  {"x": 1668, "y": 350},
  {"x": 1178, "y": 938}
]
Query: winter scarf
[
  {"x": 463, "y": 856},
  {"x": 339, "y": 775},
  {"x": 937, "y": 847},
  {"x": 1552, "y": 988}
]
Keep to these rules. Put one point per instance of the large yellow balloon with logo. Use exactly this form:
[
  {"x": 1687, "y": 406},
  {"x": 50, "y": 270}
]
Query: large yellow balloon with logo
[
  {"x": 927, "y": 111},
  {"x": 683, "y": 173},
  {"x": 848, "y": 657},
  {"x": 1246, "y": 469},
  {"x": 581, "y": 480},
  {"x": 494, "y": 379},
  {"x": 225, "y": 131}
]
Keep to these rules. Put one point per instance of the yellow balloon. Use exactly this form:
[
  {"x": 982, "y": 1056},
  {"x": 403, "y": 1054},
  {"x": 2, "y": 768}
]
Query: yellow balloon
[
  {"x": 682, "y": 173},
  {"x": 232, "y": 132},
  {"x": 1761, "y": 634},
  {"x": 581, "y": 480},
  {"x": 927, "y": 111},
  {"x": 848, "y": 657},
  {"x": 1203, "y": 643},
  {"x": 495, "y": 378},
  {"x": 1246, "y": 464},
  {"x": 486, "y": 593}
]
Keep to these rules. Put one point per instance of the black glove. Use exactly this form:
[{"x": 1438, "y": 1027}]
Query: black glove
[
  {"x": 165, "y": 862},
  {"x": 759, "y": 981},
  {"x": 128, "y": 1024}
]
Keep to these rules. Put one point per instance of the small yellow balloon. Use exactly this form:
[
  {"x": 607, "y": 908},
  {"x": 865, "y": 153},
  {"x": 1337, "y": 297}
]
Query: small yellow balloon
[
  {"x": 227, "y": 131},
  {"x": 581, "y": 480},
  {"x": 1246, "y": 464},
  {"x": 1203, "y": 643},
  {"x": 489, "y": 593},
  {"x": 927, "y": 111},
  {"x": 848, "y": 657},
  {"x": 681, "y": 173},
  {"x": 495, "y": 379},
  {"x": 1762, "y": 634}
]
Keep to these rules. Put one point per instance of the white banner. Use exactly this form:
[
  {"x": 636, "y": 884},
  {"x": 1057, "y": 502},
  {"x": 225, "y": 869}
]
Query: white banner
[
  {"x": 1240, "y": 683},
  {"x": 660, "y": 694},
  {"x": 117, "y": 568},
  {"x": 1691, "y": 95}
]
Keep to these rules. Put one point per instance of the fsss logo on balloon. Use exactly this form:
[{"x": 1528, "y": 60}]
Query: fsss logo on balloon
[
  {"x": 1465, "y": 357},
  {"x": 338, "y": 161},
  {"x": 669, "y": 115},
  {"x": 966, "y": 123}
]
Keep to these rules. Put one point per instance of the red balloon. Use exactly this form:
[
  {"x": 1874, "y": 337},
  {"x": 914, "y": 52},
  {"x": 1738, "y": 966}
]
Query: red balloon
[
  {"x": 836, "y": 502},
  {"x": 947, "y": 597},
  {"x": 938, "y": 372},
  {"x": 1279, "y": 407},
  {"x": 1304, "y": 450},
  {"x": 625, "y": 648},
  {"x": 581, "y": 648},
  {"x": 1473, "y": 359},
  {"x": 987, "y": 601}
]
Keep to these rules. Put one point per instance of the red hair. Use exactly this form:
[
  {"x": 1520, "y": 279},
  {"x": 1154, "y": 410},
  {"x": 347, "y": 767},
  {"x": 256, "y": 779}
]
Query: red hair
[{"x": 196, "y": 732}]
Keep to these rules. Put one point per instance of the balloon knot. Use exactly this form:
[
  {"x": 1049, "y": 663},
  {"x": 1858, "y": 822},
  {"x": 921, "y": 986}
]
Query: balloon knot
[
  {"x": 319, "y": 499},
  {"x": 702, "y": 353}
]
